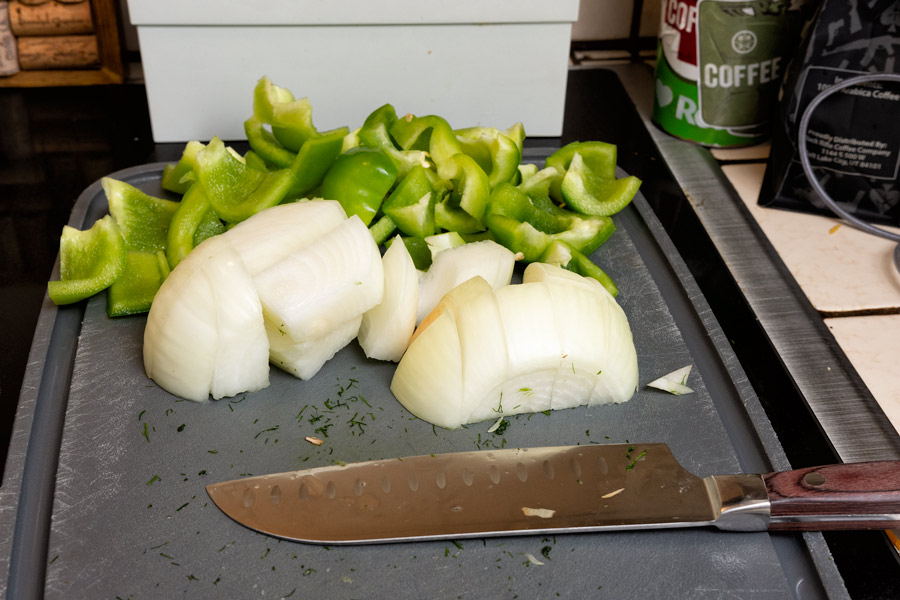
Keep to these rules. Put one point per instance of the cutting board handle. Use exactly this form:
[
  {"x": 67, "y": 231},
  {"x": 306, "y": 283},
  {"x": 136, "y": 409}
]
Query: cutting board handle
[{"x": 847, "y": 496}]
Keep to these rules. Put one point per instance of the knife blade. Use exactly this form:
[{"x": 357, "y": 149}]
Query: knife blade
[{"x": 551, "y": 490}]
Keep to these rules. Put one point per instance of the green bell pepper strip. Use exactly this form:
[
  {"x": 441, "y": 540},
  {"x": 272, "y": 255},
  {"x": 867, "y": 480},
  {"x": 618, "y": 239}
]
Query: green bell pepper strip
[
  {"x": 517, "y": 134},
  {"x": 471, "y": 188},
  {"x": 589, "y": 193},
  {"x": 497, "y": 154},
  {"x": 142, "y": 219},
  {"x": 351, "y": 141},
  {"x": 314, "y": 159},
  {"x": 600, "y": 157},
  {"x": 89, "y": 261},
  {"x": 564, "y": 255},
  {"x": 411, "y": 204},
  {"x": 265, "y": 144},
  {"x": 193, "y": 222},
  {"x": 524, "y": 172},
  {"x": 236, "y": 191},
  {"x": 291, "y": 119},
  {"x": 430, "y": 133},
  {"x": 517, "y": 223},
  {"x": 418, "y": 250},
  {"x": 179, "y": 177},
  {"x": 255, "y": 161},
  {"x": 451, "y": 218},
  {"x": 360, "y": 180},
  {"x": 443, "y": 241},
  {"x": 133, "y": 292},
  {"x": 382, "y": 229},
  {"x": 375, "y": 133}
]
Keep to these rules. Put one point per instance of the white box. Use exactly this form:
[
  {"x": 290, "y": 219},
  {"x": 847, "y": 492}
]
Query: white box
[{"x": 474, "y": 62}]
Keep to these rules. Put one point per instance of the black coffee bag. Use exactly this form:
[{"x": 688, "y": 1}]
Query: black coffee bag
[{"x": 853, "y": 138}]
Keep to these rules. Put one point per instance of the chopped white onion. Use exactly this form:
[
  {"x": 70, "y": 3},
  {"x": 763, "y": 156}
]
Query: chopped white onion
[
  {"x": 455, "y": 265},
  {"x": 313, "y": 290},
  {"x": 387, "y": 328},
  {"x": 673, "y": 382}
]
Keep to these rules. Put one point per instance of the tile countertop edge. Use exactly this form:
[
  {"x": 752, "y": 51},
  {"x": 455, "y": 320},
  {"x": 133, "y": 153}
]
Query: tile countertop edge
[{"x": 848, "y": 413}]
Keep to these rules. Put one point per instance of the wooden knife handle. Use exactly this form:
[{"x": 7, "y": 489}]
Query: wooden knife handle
[{"x": 846, "y": 496}]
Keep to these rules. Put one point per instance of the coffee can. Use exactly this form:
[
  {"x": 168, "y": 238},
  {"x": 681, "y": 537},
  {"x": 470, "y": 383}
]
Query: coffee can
[{"x": 720, "y": 64}]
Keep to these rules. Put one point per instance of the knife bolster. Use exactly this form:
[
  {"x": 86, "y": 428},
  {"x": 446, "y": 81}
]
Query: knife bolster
[{"x": 740, "y": 502}]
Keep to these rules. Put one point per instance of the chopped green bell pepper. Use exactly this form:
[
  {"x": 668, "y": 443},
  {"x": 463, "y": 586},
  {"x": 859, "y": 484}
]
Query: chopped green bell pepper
[
  {"x": 382, "y": 229},
  {"x": 411, "y": 204},
  {"x": 133, "y": 292},
  {"x": 236, "y": 191},
  {"x": 517, "y": 223},
  {"x": 496, "y": 153},
  {"x": 418, "y": 250},
  {"x": 471, "y": 188},
  {"x": 600, "y": 157},
  {"x": 314, "y": 159},
  {"x": 179, "y": 177},
  {"x": 265, "y": 144},
  {"x": 255, "y": 161},
  {"x": 291, "y": 119},
  {"x": 589, "y": 193},
  {"x": 193, "y": 222},
  {"x": 142, "y": 219},
  {"x": 89, "y": 261},
  {"x": 564, "y": 255},
  {"x": 431, "y": 133},
  {"x": 375, "y": 133},
  {"x": 359, "y": 180}
]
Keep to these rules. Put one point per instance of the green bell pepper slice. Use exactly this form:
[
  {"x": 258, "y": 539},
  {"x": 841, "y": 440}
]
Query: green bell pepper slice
[
  {"x": 382, "y": 229},
  {"x": 236, "y": 191},
  {"x": 600, "y": 157},
  {"x": 142, "y": 219},
  {"x": 431, "y": 133},
  {"x": 567, "y": 257},
  {"x": 194, "y": 221},
  {"x": 418, "y": 250},
  {"x": 291, "y": 119},
  {"x": 133, "y": 292},
  {"x": 375, "y": 133},
  {"x": 89, "y": 261},
  {"x": 359, "y": 180},
  {"x": 470, "y": 186},
  {"x": 265, "y": 144},
  {"x": 179, "y": 177},
  {"x": 452, "y": 218},
  {"x": 313, "y": 161},
  {"x": 412, "y": 203},
  {"x": 496, "y": 153},
  {"x": 587, "y": 192},
  {"x": 517, "y": 223},
  {"x": 255, "y": 161}
]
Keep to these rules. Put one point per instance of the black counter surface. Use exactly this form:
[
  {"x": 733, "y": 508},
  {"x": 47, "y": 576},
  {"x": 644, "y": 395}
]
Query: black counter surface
[{"x": 54, "y": 142}]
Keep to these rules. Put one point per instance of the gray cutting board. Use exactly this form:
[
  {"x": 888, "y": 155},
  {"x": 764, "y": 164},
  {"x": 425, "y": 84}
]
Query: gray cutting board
[{"x": 131, "y": 518}]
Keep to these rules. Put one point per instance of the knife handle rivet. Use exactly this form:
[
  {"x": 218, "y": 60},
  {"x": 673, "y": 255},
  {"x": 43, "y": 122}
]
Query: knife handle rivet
[
  {"x": 440, "y": 479},
  {"x": 248, "y": 498},
  {"x": 814, "y": 479},
  {"x": 275, "y": 495},
  {"x": 331, "y": 490},
  {"x": 359, "y": 486},
  {"x": 385, "y": 485},
  {"x": 413, "y": 482}
]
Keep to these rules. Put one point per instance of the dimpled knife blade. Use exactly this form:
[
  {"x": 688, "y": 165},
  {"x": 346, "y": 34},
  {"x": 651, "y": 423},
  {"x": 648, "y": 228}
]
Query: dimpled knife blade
[{"x": 488, "y": 493}]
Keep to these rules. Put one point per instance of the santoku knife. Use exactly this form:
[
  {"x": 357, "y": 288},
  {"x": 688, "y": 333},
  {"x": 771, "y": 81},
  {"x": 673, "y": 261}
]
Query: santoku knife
[{"x": 551, "y": 491}]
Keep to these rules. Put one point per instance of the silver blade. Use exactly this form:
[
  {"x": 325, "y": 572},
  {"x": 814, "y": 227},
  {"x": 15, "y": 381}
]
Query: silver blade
[{"x": 474, "y": 494}]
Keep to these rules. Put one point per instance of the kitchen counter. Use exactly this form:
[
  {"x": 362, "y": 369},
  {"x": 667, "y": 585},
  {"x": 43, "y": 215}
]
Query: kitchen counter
[{"x": 54, "y": 144}]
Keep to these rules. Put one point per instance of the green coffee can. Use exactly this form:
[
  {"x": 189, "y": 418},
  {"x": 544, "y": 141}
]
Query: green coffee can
[{"x": 719, "y": 67}]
